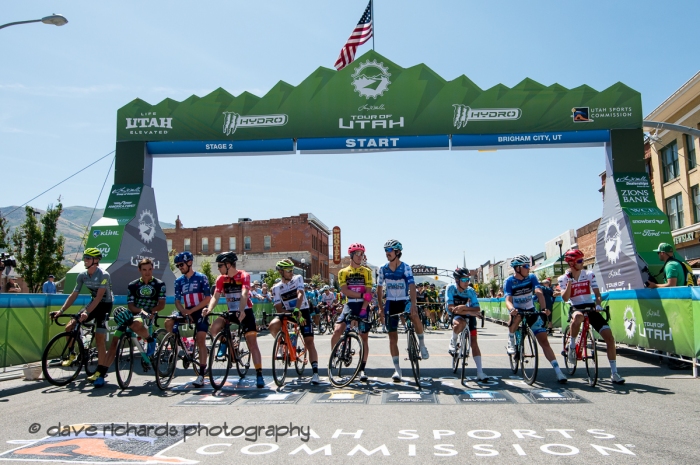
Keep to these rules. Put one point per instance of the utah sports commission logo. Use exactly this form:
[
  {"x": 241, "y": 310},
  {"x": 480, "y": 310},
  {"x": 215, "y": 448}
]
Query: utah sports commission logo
[
  {"x": 371, "y": 79},
  {"x": 580, "y": 115}
]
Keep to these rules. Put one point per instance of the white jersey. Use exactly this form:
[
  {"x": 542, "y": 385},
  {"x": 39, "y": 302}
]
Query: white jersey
[
  {"x": 327, "y": 298},
  {"x": 286, "y": 293},
  {"x": 581, "y": 288}
]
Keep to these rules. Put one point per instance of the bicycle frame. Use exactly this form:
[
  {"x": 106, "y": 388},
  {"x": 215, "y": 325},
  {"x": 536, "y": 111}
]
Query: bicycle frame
[{"x": 285, "y": 320}]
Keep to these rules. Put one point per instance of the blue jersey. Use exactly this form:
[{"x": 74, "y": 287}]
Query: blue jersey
[
  {"x": 396, "y": 282},
  {"x": 193, "y": 290},
  {"x": 521, "y": 291},
  {"x": 467, "y": 297},
  {"x": 312, "y": 297}
]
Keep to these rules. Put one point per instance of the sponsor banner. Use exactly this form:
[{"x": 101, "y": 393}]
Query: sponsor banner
[
  {"x": 254, "y": 147},
  {"x": 556, "y": 396},
  {"x": 374, "y": 96},
  {"x": 336, "y": 245},
  {"x": 409, "y": 397},
  {"x": 421, "y": 270},
  {"x": 342, "y": 397},
  {"x": 373, "y": 144},
  {"x": 529, "y": 140},
  {"x": 484, "y": 397},
  {"x": 275, "y": 398},
  {"x": 123, "y": 200},
  {"x": 208, "y": 400}
]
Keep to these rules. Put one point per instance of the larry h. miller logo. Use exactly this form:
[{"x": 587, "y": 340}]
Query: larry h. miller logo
[
  {"x": 580, "y": 115},
  {"x": 371, "y": 79},
  {"x": 464, "y": 113},
  {"x": 613, "y": 241},
  {"x": 234, "y": 121},
  {"x": 630, "y": 322},
  {"x": 147, "y": 226}
]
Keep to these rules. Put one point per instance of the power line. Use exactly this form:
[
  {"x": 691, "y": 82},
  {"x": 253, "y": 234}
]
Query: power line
[{"x": 56, "y": 185}]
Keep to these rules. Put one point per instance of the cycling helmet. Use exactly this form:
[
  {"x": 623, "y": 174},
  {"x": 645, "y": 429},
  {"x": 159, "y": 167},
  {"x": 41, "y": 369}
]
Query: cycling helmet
[
  {"x": 460, "y": 273},
  {"x": 92, "y": 252},
  {"x": 393, "y": 243},
  {"x": 227, "y": 257},
  {"x": 355, "y": 247},
  {"x": 573, "y": 255},
  {"x": 325, "y": 288},
  {"x": 183, "y": 257},
  {"x": 285, "y": 264},
  {"x": 520, "y": 260},
  {"x": 122, "y": 316}
]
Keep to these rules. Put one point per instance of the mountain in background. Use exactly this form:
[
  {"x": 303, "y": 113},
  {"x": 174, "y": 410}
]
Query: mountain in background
[{"x": 72, "y": 225}]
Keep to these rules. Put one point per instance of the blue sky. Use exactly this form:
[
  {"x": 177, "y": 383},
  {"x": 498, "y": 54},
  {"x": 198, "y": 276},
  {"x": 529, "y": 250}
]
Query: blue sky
[{"x": 60, "y": 89}]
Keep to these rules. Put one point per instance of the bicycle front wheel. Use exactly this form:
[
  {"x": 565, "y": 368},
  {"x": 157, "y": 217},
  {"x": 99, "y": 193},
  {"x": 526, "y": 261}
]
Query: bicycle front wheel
[
  {"x": 590, "y": 355},
  {"x": 302, "y": 355},
  {"x": 414, "y": 357},
  {"x": 466, "y": 348},
  {"x": 61, "y": 361},
  {"x": 515, "y": 358},
  {"x": 528, "y": 356},
  {"x": 165, "y": 361},
  {"x": 124, "y": 361},
  {"x": 566, "y": 338},
  {"x": 219, "y": 361},
  {"x": 242, "y": 357},
  {"x": 345, "y": 360},
  {"x": 91, "y": 356},
  {"x": 280, "y": 359}
]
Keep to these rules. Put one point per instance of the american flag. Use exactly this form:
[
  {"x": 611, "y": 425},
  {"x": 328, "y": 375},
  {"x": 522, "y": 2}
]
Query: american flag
[{"x": 362, "y": 33}]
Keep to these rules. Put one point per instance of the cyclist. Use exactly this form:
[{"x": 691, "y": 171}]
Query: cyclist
[
  {"x": 397, "y": 278},
  {"x": 192, "y": 288},
  {"x": 356, "y": 284},
  {"x": 99, "y": 283},
  {"x": 234, "y": 285},
  {"x": 312, "y": 298},
  {"x": 577, "y": 287},
  {"x": 518, "y": 292},
  {"x": 146, "y": 298},
  {"x": 462, "y": 304},
  {"x": 288, "y": 296},
  {"x": 431, "y": 296}
]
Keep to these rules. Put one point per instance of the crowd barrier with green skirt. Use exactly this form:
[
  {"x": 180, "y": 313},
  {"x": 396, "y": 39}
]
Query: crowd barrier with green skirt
[
  {"x": 25, "y": 325},
  {"x": 496, "y": 310}
]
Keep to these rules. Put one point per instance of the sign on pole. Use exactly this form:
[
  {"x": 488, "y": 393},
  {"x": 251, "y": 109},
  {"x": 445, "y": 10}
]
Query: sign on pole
[
  {"x": 336, "y": 245},
  {"x": 422, "y": 270}
]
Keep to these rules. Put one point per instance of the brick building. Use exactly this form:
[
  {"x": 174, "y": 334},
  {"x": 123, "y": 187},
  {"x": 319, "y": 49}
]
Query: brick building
[
  {"x": 302, "y": 236},
  {"x": 586, "y": 239}
]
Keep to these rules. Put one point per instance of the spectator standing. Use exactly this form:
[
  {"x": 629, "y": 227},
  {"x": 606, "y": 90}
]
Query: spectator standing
[
  {"x": 49, "y": 287},
  {"x": 12, "y": 285},
  {"x": 549, "y": 296},
  {"x": 675, "y": 271}
]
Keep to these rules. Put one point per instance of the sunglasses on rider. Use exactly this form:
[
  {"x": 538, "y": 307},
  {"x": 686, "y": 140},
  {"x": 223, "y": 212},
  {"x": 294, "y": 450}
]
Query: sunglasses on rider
[
  {"x": 220, "y": 265},
  {"x": 464, "y": 280},
  {"x": 388, "y": 249},
  {"x": 527, "y": 267},
  {"x": 579, "y": 261},
  {"x": 180, "y": 265}
]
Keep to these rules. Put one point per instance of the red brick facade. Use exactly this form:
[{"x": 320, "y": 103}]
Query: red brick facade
[
  {"x": 586, "y": 238},
  {"x": 290, "y": 234}
]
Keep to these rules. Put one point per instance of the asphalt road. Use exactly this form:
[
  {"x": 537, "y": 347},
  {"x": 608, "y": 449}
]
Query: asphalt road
[{"x": 653, "y": 418}]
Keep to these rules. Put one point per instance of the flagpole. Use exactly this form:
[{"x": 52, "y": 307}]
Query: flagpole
[{"x": 371, "y": 2}]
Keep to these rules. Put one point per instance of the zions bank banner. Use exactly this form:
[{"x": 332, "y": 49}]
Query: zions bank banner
[{"x": 375, "y": 97}]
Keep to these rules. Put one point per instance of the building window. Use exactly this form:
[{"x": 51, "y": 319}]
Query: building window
[
  {"x": 695, "y": 197},
  {"x": 187, "y": 245},
  {"x": 690, "y": 150},
  {"x": 170, "y": 245},
  {"x": 669, "y": 158},
  {"x": 232, "y": 243},
  {"x": 205, "y": 245},
  {"x": 217, "y": 244},
  {"x": 674, "y": 210},
  {"x": 246, "y": 243},
  {"x": 268, "y": 242}
]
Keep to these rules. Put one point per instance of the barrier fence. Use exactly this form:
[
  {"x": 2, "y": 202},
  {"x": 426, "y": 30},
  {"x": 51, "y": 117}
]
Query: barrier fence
[{"x": 25, "y": 325}]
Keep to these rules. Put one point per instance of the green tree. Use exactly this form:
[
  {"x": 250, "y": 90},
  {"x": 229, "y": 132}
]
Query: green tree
[
  {"x": 541, "y": 275},
  {"x": 38, "y": 249},
  {"x": 171, "y": 259},
  {"x": 206, "y": 271},
  {"x": 4, "y": 233},
  {"x": 270, "y": 277},
  {"x": 317, "y": 280}
]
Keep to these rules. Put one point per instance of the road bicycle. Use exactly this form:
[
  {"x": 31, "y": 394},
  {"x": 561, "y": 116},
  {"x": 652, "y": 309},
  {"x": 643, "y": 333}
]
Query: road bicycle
[
  {"x": 124, "y": 359},
  {"x": 347, "y": 354},
  {"x": 461, "y": 352},
  {"x": 413, "y": 349},
  {"x": 69, "y": 352},
  {"x": 226, "y": 349},
  {"x": 445, "y": 320},
  {"x": 289, "y": 347},
  {"x": 586, "y": 349},
  {"x": 525, "y": 355},
  {"x": 171, "y": 349}
]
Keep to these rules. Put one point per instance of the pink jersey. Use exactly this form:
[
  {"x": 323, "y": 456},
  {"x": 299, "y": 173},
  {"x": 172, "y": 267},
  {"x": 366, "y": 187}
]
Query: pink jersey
[{"x": 232, "y": 288}]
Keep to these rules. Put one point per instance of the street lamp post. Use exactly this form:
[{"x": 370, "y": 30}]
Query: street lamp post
[
  {"x": 561, "y": 265},
  {"x": 56, "y": 20}
]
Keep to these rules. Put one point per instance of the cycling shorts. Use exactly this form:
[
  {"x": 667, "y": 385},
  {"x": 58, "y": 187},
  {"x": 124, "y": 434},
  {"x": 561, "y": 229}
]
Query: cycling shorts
[
  {"x": 354, "y": 308},
  {"x": 594, "y": 318},
  {"x": 143, "y": 318},
  {"x": 471, "y": 321},
  {"x": 307, "y": 329},
  {"x": 537, "y": 321},
  {"x": 100, "y": 315},
  {"x": 247, "y": 323},
  {"x": 392, "y": 310},
  {"x": 201, "y": 324}
]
